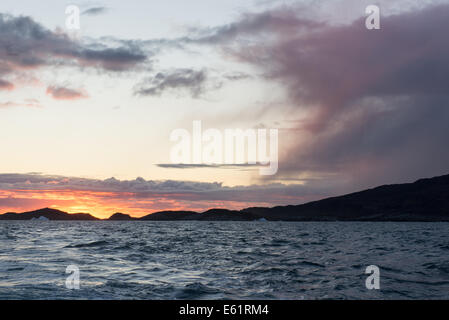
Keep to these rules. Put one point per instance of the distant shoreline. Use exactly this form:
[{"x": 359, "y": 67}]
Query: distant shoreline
[{"x": 426, "y": 200}]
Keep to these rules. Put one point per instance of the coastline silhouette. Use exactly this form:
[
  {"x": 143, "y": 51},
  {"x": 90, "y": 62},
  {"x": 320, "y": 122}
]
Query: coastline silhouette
[{"x": 423, "y": 200}]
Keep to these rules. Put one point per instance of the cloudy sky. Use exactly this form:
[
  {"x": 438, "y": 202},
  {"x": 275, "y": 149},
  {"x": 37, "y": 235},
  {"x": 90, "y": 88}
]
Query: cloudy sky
[{"x": 86, "y": 115}]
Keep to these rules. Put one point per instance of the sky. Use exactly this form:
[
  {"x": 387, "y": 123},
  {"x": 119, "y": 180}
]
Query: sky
[{"x": 86, "y": 115}]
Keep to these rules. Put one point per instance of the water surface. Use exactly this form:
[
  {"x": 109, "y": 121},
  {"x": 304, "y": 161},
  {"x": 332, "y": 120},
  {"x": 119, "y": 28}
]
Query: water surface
[{"x": 223, "y": 260}]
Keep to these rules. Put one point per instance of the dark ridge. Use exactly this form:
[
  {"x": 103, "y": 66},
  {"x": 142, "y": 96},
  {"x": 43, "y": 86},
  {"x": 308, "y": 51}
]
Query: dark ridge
[
  {"x": 50, "y": 214},
  {"x": 423, "y": 200},
  {"x": 120, "y": 217},
  {"x": 171, "y": 215},
  {"x": 226, "y": 215},
  {"x": 209, "y": 215}
]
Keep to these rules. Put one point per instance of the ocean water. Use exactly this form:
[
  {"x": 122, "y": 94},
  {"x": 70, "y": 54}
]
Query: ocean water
[{"x": 223, "y": 260}]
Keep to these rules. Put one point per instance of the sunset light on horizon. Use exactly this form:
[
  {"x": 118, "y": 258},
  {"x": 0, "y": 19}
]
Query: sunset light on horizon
[{"x": 97, "y": 102}]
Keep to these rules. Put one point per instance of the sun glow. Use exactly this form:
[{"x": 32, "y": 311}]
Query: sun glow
[{"x": 103, "y": 204}]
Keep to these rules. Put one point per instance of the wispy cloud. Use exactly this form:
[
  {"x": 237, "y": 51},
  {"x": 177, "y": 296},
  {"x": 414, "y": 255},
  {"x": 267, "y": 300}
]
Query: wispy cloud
[
  {"x": 63, "y": 93},
  {"x": 192, "y": 81},
  {"x": 27, "y": 103},
  {"x": 95, "y": 11},
  {"x": 215, "y": 166}
]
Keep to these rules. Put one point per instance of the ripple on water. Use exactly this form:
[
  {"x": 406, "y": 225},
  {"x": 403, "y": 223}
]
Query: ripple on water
[{"x": 215, "y": 260}]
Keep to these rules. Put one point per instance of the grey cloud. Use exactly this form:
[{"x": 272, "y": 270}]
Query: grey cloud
[
  {"x": 236, "y": 76},
  {"x": 25, "y": 45},
  {"x": 280, "y": 20},
  {"x": 95, "y": 11},
  {"x": 193, "y": 81},
  {"x": 216, "y": 166},
  {"x": 377, "y": 100},
  {"x": 35, "y": 181},
  {"x": 274, "y": 193},
  {"x": 112, "y": 59}
]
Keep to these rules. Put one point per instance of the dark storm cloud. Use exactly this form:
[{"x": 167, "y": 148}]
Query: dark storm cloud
[
  {"x": 193, "y": 81},
  {"x": 376, "y": 101},
  {"x": 377, "y": 146},
  {"x": 332, "y": 66}
]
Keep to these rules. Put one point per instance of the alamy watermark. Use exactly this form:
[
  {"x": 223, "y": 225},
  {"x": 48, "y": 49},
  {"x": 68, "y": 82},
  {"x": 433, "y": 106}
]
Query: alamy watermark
[
  {"x": 72, "y": 282},
  {"x": 372, "y": 21},
  {"x": 230, "y": 147},
  {"x": 72, "y": 21},
  {"x": 373, "y": 280}
]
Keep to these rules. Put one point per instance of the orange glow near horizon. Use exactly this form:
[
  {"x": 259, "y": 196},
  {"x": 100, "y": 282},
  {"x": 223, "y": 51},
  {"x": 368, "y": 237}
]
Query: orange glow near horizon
[{"x": 102, "y": 204}]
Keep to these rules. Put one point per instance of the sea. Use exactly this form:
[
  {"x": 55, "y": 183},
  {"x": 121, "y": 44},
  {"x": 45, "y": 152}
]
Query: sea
[{"x": 223, "y": 260}]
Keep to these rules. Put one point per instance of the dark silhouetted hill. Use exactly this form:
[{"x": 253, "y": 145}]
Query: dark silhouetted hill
[
  {"x": 120, "y": 217},
  {"x": 51, "y": 214},
  {"x": 171, "y": 215},
  {"x": 209, "y": 215},
  {"x": 423, "y": 200}
]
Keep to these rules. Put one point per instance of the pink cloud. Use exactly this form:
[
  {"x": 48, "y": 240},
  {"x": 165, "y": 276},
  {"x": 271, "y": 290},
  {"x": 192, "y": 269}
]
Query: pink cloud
[
  {"x": 62, "y": 93},
  {"x": 6, "y": 85}
]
